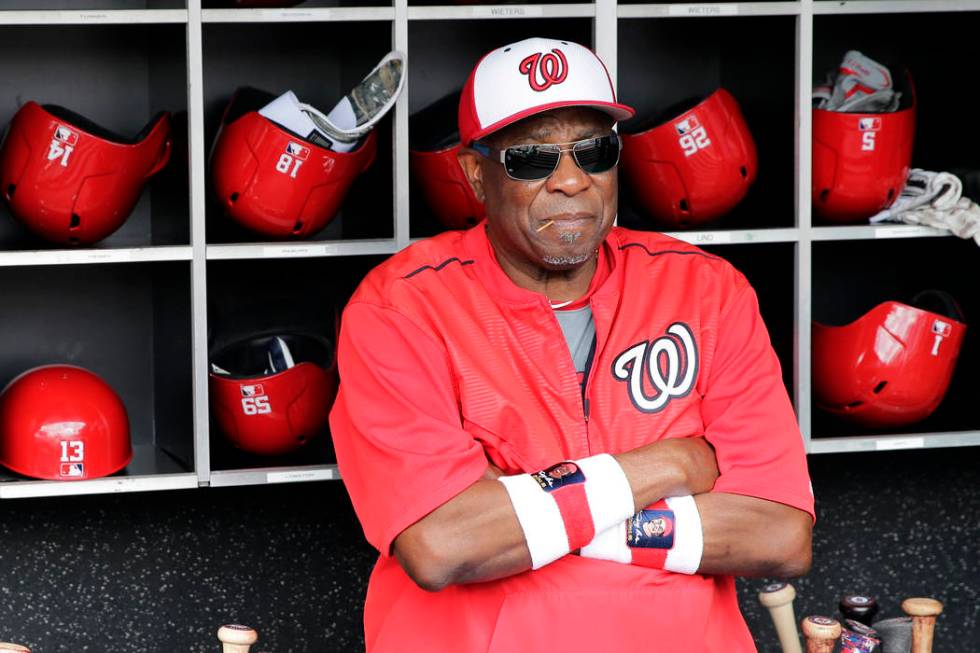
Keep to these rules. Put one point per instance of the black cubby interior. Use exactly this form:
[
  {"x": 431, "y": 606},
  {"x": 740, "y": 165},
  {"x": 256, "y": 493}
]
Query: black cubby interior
[
  {"x": 250, "y": 297},
  {"x": 320, "y": 62},
  {"x": 937, "y": 49},
  {"x": 119, "y": 77},
  {"x": 852, "y": 277},
  {"x": 768, "y": 267},
  {"x": 129, "y": 323},
  {"x": 433, "y": 74},
  {"x": 663, "y": 62}
]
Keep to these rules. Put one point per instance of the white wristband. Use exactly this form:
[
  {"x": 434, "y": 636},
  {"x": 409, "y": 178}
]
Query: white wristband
[
  {"x": 594, "y": 497},
  {"x": 685, "y": 556},
  {"x": 544, "y": 529}
]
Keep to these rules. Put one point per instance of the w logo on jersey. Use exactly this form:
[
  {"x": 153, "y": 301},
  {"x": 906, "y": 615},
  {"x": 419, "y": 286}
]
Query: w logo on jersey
[
  {"x": 65, "y": 135},
  {"x": 299, "y": 151},
  {"x": 544, "y": 70},
  {"x": 687, "y": 125},
  {"x": 667, "y": 365},
  {"x": 869, "y": 124}
]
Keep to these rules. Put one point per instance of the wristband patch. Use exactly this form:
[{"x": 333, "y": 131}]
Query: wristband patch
[
  {"x": 559, "y": 476},
  {"x": 651, "y": 529}
]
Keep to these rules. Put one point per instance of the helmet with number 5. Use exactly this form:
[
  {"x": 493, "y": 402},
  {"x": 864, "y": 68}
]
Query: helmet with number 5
[
  {"x": 861, "y": 160},
  {"x": 272, "y": 394},
  {"x": 71, "y": 181},
  {"x": 275, "y": 182},
  {"x": 695, "y": 166},
  {"x": 63, "y": 423}
]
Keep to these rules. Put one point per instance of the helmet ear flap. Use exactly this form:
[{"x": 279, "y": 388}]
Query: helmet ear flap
[
  {"x": 695, "y": 166},
  {"x": 275, "y": 182},
  {"x": 71, "y": 181},
  {"x": 890, "y": 367},
  {"x": 435, "y": 166},
  {"x": 272, "y": 394}
]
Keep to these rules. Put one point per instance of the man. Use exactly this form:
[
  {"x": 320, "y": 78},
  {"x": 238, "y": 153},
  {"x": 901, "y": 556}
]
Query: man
[{"x": 487, "y": 376}]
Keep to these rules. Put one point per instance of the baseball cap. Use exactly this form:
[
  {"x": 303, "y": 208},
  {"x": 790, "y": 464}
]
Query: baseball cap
[{"x": 531, "y": 76}]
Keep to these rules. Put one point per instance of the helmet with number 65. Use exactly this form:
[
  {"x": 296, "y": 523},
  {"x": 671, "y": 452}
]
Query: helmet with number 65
[
  {"x": 274, "y": 182},
  {"x": 61, "y": 422},
  {"x": 695, "y": 166},
  {"x": 272, "y": 394},
  {"x": 71, "y": 181}
]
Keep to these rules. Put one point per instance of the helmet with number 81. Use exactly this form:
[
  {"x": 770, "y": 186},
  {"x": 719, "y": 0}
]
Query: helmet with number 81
[
  {"x": 274, "y": 182},
  {"x": 61, "y": 422}
]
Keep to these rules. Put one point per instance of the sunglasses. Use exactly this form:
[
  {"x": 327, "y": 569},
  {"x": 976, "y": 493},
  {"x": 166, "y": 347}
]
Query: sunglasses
[{"x": 535, "y": 161}]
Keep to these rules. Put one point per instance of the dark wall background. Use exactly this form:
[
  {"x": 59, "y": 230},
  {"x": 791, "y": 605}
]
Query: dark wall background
[{"x": 160, "y": 572}]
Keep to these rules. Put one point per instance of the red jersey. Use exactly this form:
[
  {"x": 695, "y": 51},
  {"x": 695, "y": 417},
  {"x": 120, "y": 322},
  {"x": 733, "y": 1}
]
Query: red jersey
[{"x": 445, "y": 362}]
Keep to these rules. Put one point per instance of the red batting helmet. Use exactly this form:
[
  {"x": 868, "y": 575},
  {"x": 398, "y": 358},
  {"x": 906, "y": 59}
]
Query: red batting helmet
[
  {"x": 61, "y": 422},
  {"x": 861, "y": 160},
  {"x": 274, "y": 182},
  {"x": 695, "y": 166},
  {"x": 71, "y": 181},
  {"x": 272, "y": 394},
  {"x": 891, "y": 366},
  {"x": 435, "y": 168}
]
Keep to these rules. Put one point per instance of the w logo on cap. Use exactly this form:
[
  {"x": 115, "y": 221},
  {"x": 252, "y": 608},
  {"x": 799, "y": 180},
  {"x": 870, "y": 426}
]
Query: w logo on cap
[{"x": 544, "y": 70}]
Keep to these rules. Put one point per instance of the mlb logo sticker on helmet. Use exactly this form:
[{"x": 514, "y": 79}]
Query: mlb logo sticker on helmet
[
  {"x": 73, "y": 470},
  {"x": 687, "y": 124},
  {"x": 941, "y": 328},
  {"x": 298, "y": 151},
  {"x": 65, "y": 135},
  {"x": 869, "y": 124},
  {"x": 253, "y": 390}
]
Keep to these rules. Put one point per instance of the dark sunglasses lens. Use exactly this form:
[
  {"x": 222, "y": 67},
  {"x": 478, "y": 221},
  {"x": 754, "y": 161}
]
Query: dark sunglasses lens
[
  {"x": 598, "y": 154},
  {"x": 530, "y": 162}
]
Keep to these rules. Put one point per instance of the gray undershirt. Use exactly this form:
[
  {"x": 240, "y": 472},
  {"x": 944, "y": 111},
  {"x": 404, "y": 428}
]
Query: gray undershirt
[{"x": 578, "y": 327}]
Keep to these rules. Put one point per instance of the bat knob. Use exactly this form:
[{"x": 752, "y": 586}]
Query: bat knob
[
  {"x": 777, "y": 594},
  {"x": 859, "y": 607},
  {"x": 821, "y": 633},
  {"x": 237, "y": 638},
  {"x": 922, "y": 607}
]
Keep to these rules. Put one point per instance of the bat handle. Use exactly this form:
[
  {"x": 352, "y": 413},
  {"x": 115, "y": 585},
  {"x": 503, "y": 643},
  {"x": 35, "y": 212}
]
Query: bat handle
[
  {"x": 778, "y": 599},
  {"x": 236, "y": 638},
  {"x": 821, "y": 633},
  {"x": 923, "y": 612}
]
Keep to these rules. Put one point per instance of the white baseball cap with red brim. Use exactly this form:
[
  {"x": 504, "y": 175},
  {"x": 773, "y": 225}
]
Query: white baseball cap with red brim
[{"x": 531, "y": 76}]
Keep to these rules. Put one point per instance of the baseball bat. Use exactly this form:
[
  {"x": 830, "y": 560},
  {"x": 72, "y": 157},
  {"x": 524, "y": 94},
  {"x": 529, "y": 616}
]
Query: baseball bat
[
  {"x": 858, "y": 607},
  {"x": 7, "y": 647},
  {"x": 778, "y": 599},
  {"x": 236, "y": 638},
  {"x": 923, "y": 612},
  {"x": 821, "y": 634}
]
